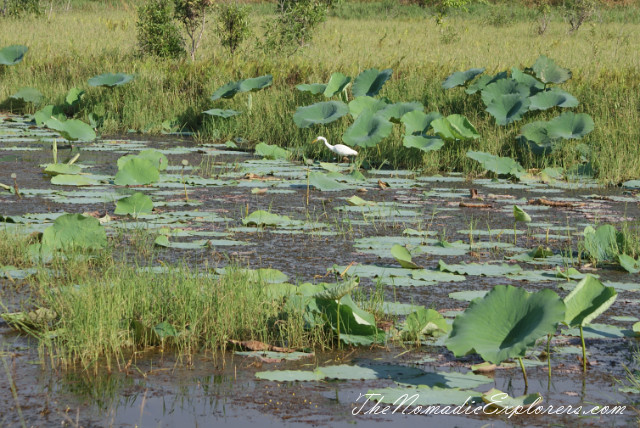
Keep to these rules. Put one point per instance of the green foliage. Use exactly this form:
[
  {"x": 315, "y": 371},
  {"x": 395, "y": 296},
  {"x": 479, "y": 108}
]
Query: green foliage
[
  {"x": 233, "y": 25},
  {"x": 192, "y": 14},
  {"x": 20, "y": 8},
  {"x": 157, "y": 32},
  {"x": 577, "y": 12},
  {"x": 12, "y": 55},
  {"x": 74, "y": 231},
  {"x": 294, "y": 23}
]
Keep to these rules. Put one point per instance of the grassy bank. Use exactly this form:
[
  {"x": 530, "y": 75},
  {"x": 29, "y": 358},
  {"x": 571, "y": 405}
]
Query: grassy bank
[{"x": 70, "y": 47}]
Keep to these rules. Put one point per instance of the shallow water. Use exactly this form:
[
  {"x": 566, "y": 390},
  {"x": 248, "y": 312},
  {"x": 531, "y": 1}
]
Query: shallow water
[{"x": 158, "y": 391}]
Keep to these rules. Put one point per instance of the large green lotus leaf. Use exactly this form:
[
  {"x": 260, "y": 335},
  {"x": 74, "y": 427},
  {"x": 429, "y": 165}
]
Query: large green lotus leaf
[
  {"x": 520, "y": 215},
  {"x": 136, "y": 171},
  {"x": 418, "y": 122},
  {"x": 460, "y": 78},
  {"x": 505, "y": 323},
  {"x": 426, "y": 144},
  {"x": 527, "y": 80},
  {"x": 73, "y": 180},
  {"x": 367, "y": 130},
  {"x": 403, "y": 256},
  {"x": 628, "y": 263},
  {"x": 552, "y": 98},
  {"x": 12, "y": 55},
  {"x": 47, "y": 112},
  {"x": 111, "y": 79},
  {"x": 156, "y": 157},
  {"x": 72, "y": 129},
  {"x": 226, "y": 91},
  {"x": 484, "y": 81},
  {"x": 424, "y": 396},
  {"x": 28, "y": 95},
  {"x": 370, "y": 81},
  {"x": 484, "y": 269},
  {"x": 254, "y": 84},
  {"x": 76, "y": 231},
  {"x": 74, "y": 96},
  {"x": 264, "y": 218},
  {"x": 589, "y": 299},
  {"x": 337, "y": 82},
  {"x": 319, "y": 113},
  {"x": 271, "y": 151},
  {"x": 62, "y": 168},
  {"x": 290, "y": 375},
  {"x": 497, "y": 164},
  {"x": 508, "y": 108},
  {"x": 360, "y": 104},
  {"x": 138, "y": 203},
  {"x": 503, "y": 87},
  {"x": 548, "y": 72},
  {"x": 338, "y": 291},
  {"x": 447, "y": 379},
  {"x": 536, "y": 135},
  {"x": 222, "y": 113},
  {"x": 570, "y": 125},
  {"x": 314, "y": 88},
  {"x": 324, "y": 183},
  {"x": 357, "y": 327},
  {"x": 604, "y": 243},
  {"x": 394, "y": 112},
  {"x": 424, "y": 322},
  {"x": 462, "y": 128}
]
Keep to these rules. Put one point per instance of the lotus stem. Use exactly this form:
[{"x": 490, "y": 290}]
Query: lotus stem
[
  {"x": 584, "y": 351},
  {"x": 5, "y": 187},
  {"x": 15, "y": 185},
  {"x": 339, "y": 344},
  {"x": 307, "y": 186},
  {"x": 515, "y": 233},
  {"x": 73, "y": 159},
  {"x": 549, "y": 355},
  {"x": 54, "y": 149},
  {"x": 524, "y": 373},
  {"x": 249, "y": 102}
]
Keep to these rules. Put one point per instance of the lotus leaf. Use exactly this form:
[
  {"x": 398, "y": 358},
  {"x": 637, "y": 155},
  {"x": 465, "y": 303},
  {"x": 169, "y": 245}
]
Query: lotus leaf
[
  {"x": 357, "y": 327},
  {"x": 454, "y": 127},
  {"x": 552, "y": 98},
  {"x": 505, "y": 323},
  {"x": 75, "y": 231},
  {"x": 548, "y": 72},
  {"x": 424, "y": 396},
  {"x": 536, "y": 135},
  {"x": 418, "y": 122},
  {"x": 263, "y": 218},
  {"x": 508, "y": 108},
  {"x": 73, "y": 180},
  {"x": 62, "y": 168},
  {"x": 226, "y": 91},
  {"x": 337, "y": 82},
  {"x": 314, "y": 88},
  {"x": 269, "y": 151},
  {"x": 499, "y": 400},
  {"x": 12, "y": 55},
  {"x": 394, "y": 112},
  {"x": 497, "y": 164},
  {"x": 527, "y": 80},
  {"x": 338, "y": 291},
  {"x": 28, "y": 95},
  {"x": 111, "y": 80},
  {"x": 424, "y": 322},
  {"x": 447, "y": 379},
  {"x": 254, "y": 84},
  {"x": 324, "y": 183},
  {"x": 222, "y": 113},
  {"x": 501, "y": 88},
  {"x": 136, "y": 171},
  {"x": 570, "y": 125},
  {"x": 485, "y": 269},
  {"x": 403, "y": 256},
  {"x": 72, "y": 129},
  {"x": 426, "y": 144},
  {"x": 319, "y": 113},
  {"x": 589, "y": 299},
  {"x": 604, "y": 243},
  {"x": 484, "y": 81},
  {"x": 520, "y": 215},
  {"x": 370, "y": 81},
  {"x": 367, "y": 130},
  {"x": 47, "y": 112},
  {"x": 628, "y": 263},
  {"x": 74, "y": 96},
  {"x": 460, "y": 78},
  {"x": 360, "y": 104},
  {"x": 157, "y": 158},
  {"x": 138, "y": 203}
]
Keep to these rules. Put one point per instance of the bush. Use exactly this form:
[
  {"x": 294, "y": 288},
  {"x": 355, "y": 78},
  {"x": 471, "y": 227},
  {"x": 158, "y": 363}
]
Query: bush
[
  {"x": 157, "y": 32},
  {"x": 18, "y": 8},
  {"x": 233, "y": 25},
  {"x": 577, "y": 12},
  {"x": 193, "y": 16}
]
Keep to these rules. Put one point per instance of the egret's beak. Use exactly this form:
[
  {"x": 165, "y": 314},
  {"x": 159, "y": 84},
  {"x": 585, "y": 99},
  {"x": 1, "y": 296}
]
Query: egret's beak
[{"x": 316, "y": 140}]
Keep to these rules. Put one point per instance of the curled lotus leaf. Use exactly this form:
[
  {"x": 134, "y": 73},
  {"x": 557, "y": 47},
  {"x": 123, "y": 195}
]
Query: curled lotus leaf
[
  {"x": 460, "y": 78},
  {"x": 337, "y": 83},
  {"x": 319, "y": 113},
  {"x": 370, "y": 82}
]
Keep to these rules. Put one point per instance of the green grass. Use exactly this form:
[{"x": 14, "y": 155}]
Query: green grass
[{"x": 71, "y": 47}]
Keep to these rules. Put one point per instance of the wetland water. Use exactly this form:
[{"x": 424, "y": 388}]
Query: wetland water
[{"x": 415, "y": 211}]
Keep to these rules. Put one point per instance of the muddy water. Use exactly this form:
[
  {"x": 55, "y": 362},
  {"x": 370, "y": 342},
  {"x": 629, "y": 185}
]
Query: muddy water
[{"x": 220, "y": 391}]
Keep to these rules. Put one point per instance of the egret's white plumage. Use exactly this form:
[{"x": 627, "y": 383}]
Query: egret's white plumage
[{"x": 339, "y": 149}]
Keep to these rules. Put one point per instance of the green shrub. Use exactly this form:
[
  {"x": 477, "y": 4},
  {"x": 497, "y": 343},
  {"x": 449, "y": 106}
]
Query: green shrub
[
  {"x": 192, "y": 14},
  {"x": 18, "y": 8},
  {"x": 577, "y": 12},
  {"x": 157, "y": 32},
  {"x": 233, "y": 25}
]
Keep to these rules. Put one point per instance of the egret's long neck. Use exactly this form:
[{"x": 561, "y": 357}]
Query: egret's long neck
[{"x": 324, "y": 140}]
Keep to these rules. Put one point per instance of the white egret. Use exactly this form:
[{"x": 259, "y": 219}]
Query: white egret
[{"x": 339, "y": 149}]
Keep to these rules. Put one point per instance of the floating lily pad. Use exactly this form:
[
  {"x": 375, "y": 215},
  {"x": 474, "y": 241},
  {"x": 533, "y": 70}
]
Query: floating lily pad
[
  {"x": 269, "y": 151},
  {"x": 324, "y": 183},
  {"x": 263, "y": 218},
  {"x": 138, "y": 203},
  {"x": 136, "y": 171},
  {"x": 74, "y": 180},
  {"x": 75, "y": 231}
]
